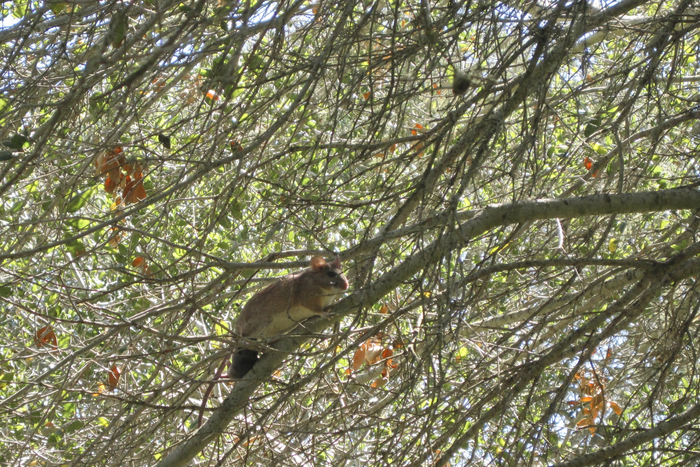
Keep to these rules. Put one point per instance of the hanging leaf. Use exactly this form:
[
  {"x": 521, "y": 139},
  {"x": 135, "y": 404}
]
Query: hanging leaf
[
  {"x": 46, "y": 336},
  {"x": 358, "y": 359},
  {"x": 16, "y": 142},
  {"x": 134, "y": 190},
  {"x": 236, "y": 146},
  {"x": 378, "y": 383},
  {"x": 584, "y": 423},
  {"x": 78, "y": 201},
  {"x": 164, "y": 140},
  {"x": 615, "y": 408},
  {"x": 113, "y": 376},
  {"x": 118, "y": 26}
]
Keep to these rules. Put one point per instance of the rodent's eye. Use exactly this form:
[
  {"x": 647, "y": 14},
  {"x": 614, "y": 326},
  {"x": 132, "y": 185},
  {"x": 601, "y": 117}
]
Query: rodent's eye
[{"x": 332, "y": 274}]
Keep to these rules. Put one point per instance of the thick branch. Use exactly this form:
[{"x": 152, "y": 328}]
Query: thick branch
[
  {"x": 491, "y": 217},
  {"x": 662, "y": 429}
]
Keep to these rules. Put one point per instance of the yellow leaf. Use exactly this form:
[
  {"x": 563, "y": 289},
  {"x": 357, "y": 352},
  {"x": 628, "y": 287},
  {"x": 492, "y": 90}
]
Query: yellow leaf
[{"x": 612, "y": 245}]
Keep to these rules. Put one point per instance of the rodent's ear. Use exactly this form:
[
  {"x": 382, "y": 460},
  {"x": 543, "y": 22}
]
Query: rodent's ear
[
  {"x": 318, "y": 263},
  {"x": 336, "y": 262}
]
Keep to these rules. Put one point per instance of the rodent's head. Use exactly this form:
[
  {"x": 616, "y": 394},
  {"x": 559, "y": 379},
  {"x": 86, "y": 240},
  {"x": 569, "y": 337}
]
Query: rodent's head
[{"x": 329, "y": 275}]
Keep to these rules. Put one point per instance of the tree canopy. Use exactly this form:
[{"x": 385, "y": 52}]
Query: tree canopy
[{"x": 511, "y": 187}]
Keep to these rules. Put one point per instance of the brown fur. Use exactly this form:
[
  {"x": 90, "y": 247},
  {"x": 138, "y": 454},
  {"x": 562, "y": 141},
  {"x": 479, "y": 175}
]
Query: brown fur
[{"x": 282, "y": 305}]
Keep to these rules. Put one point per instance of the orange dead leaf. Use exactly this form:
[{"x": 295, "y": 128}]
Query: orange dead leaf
[
  {"x": 379, "y": 155},
  {"x": 110, "y": 161},
  {"x": 418, "y": 126},
  {"x": 378, "y": 383},
  {"x": 373, "y": 352},
  {"x": 573, "y": 403},
  {"x": 46, "y": 336},
  {"x": 116, "y": 237},
  {"x": 358, "y": 359},
  {"x": 584, "y": 423},
  {"x": 616, "y": 408},
  {"x": 113, "y": 376},
  {"x": 592, "y": 429},
  {"x": 211, "y": 95},
  {"x": 586, "y": 399},
  {"x": 137, "y": 261},
  {"x": 111, "y": 185},
  {"x": 367, "y": 95},
  {"x": 384, "y": 309},
  {"x": 134, "y": 191},
  {"x": 387, "y": 353},
  {"x": 587, "y": 163}
]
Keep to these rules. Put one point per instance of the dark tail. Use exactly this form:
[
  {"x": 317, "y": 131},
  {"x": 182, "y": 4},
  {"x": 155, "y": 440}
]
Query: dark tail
[{"x": 241, "y": 362}]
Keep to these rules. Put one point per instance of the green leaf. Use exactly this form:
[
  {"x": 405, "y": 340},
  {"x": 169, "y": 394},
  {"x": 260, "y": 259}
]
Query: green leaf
[
  {"x": 225, "y": 222},
  {"x": 16, "y": 142},
  {"x": 592, "y": 127},
  {"x": 118, "y": 26},
  {"x": 56, "y": 7},
  {"x": 79, "y": 200},
  {"x": 236, "y": 211},
  {"x": 74, "y": 426},
  {"x": 19, "y": 8},
  {"x": 221, "y": 328},
  {"x": 76, "y": 247},
  {"x": 6, "y": 378}
]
